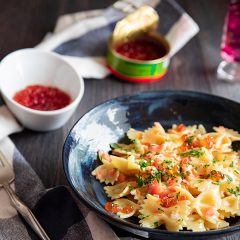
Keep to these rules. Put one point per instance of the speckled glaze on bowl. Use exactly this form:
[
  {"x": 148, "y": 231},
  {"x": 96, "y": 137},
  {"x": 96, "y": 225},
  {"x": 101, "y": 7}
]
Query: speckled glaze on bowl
[{"x": 108, "y": 122}]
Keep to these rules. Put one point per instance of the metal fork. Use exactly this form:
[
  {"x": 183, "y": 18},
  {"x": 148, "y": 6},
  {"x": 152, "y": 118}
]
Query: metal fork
[{"x": 6, "y": 177}]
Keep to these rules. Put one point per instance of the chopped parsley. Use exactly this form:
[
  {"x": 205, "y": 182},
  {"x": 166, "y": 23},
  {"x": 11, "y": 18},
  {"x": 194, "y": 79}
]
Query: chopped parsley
[
  {"x": 143, "y": 216},
  {"x": 193, "y": 153},
  {"x": 181, "y": 175},
  {"x": 144, "y": 163},
  {"x": 231, "y": 165},
  {"x": 135, "y": 148},
  {"x": 189, "y": 140},
  {"x": 216, "y": 183},
  {"x": 215, "y": 161},
  {"x": 136, "y": 141},
  {"x": 156, "y": 224},
  {"x": 229, "y": 178},
  {"x": 231, "y": 191},
  {"x": 177, "y": 195},
  {"x": 130, "y": 187},
  {"x": 167, "y": 161},
  {"x": 115, "y": 146},
  {"x": 206, "y": 165},
  {"x": 236, "y": 172},
  {"x": 234, "y": 192},
  {"x": 140, "y": 182},
  {"x": 157, "y": 175},
  {"x": 144, "y": 181}
]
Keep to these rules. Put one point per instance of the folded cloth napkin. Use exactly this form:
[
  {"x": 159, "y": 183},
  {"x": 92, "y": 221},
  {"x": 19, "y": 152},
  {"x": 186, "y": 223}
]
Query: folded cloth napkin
[
  {"x": 82, "y": 37},
  {"x": 60, "y": 215}
]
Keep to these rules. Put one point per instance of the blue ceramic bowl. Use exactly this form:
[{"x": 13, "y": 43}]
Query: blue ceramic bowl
[{"x": 108, "y": 123}]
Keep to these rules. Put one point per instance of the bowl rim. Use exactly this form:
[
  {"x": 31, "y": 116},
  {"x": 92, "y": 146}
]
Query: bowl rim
[
  {"x": 116, "y": 220},
  {"x": 59, "y": 58}
]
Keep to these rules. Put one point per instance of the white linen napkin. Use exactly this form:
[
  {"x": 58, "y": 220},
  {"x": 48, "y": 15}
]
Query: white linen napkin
[{"x": 82, "y": 37}]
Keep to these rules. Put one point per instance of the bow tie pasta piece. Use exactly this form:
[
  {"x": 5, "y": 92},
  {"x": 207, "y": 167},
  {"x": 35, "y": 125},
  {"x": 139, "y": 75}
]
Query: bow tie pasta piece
[
  {"x": 195, "y": 223},
  {"x": 202, "y": 185},
  {"x": 223, "y": 214},
  {"x": 119, "y": 190},
  {"x": 127, "y": 165},
  {"x": 140, "y": 194},
  {"x": 178, "y": 215},
  {"x": 207, "y": 205},
  {"x": 132, "y": 164},
  {"x": 183, "y": 193},
  {"x": 217, "y": 225},
  {"x": 154, "y": 135},
  {"x": 133, "y": 134},
  {"x": 126, "y": 207},
  {"x": 106, "y": 173},
  {"x": 201, "y": 130},
  {"x": 226, "y": 159},
  {"x": 234, "y": 135},
  {"x": 151, "y": 213},
  {"x": 206, "y": 157},
  {"x": 231, "y": 204},
  {"x": 120, "y": 163},
  {"x": 227, "y": 188},
  {"x": 222, "y": 141},
  {"x": 104, "y": 157}
]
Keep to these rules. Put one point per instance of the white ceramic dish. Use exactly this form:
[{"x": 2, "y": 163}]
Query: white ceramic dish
[{"x": 29, "y": 67}]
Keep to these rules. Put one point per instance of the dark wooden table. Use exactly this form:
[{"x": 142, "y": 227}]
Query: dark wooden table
[{"x": 24, "y": 23}]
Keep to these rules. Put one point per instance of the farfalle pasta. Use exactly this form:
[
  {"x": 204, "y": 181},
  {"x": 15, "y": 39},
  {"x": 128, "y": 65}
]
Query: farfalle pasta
[{"x": 183, "y": 178}]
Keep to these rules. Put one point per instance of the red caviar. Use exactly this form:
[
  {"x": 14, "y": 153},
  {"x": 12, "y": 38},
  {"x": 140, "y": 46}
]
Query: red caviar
[
  {"x": 180, "y": 127},
  {"x": 168, "y": 202},
  {"x": 114, "y": 208},
  {"x": 111, "y": 207},
  {"x": 141, "y": 49},
  {"x": 127, "y": 209},
  {"x": 208, "y": 142},
  {"x": 196, "y": 144},
  {"x": 42, "y": 98}
]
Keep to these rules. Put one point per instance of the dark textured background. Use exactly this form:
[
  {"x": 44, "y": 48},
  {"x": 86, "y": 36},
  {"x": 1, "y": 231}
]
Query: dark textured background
[{"x": 24, "y": 23}]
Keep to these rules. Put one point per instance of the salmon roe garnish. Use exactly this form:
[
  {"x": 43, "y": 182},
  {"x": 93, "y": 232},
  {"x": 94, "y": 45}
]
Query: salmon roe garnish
[
  {"x": 43, "y": 98},
  {"x": 127, "y": 209},
  {"x": 180, "y": 127},
  {"x": 114, "y": 208},
  {"x": 208, "y": 142},
  {"x": 168, "y": 202},
  {"x": 111, "y": 207},
  {"x": 142, "y": 49}
]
